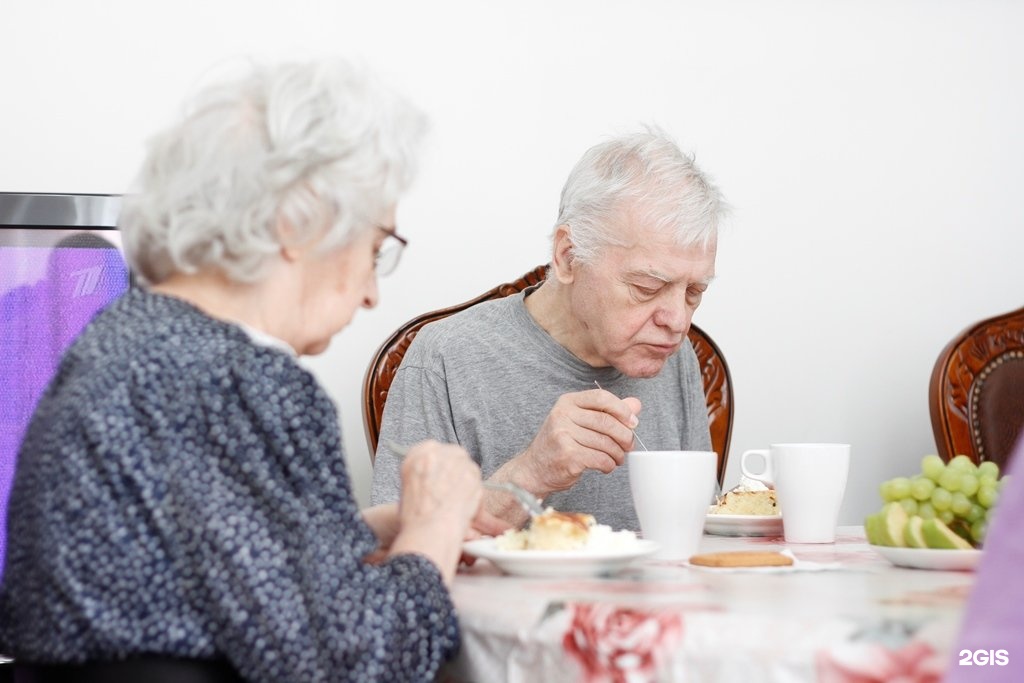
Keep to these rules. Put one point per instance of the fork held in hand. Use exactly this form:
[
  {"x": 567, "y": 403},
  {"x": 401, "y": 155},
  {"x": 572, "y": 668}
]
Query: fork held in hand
[
  {"x": 635, "y": 435},
  {"x": 525, "y": 498}
]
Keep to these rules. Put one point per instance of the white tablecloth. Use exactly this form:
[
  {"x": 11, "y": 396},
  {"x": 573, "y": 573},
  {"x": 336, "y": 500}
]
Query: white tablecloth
[{"x": 857, "y": 618}]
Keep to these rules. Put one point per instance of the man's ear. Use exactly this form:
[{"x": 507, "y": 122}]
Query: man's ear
[{"x": 563, "y": 260}]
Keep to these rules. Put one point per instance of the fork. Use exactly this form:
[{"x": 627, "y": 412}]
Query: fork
[
  {"x": 716, "y": 497},
  {"x": 635, "y": 435},
  {"x": 525, "y": 498}
]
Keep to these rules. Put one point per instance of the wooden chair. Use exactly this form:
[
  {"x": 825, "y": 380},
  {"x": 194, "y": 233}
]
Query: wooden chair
[
  {"x": 976, "y": 393},
  {"x": 380, "y": 374}
]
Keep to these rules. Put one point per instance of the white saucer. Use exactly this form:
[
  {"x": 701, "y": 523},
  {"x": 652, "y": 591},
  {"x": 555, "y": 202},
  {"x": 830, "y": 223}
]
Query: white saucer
[
  {"x": 743, "y": 525},
  {"x": 927, "y": 558},
  {"x": 555, "y": 563}
]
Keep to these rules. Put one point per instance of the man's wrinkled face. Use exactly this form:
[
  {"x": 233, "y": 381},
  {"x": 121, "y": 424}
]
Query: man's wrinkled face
[{"x": 635, "y": 302}]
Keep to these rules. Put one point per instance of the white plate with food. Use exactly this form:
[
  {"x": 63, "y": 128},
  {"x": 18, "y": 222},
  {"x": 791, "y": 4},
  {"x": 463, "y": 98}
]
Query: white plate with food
[
  {"x": 743, "y": 525},
  {"x": 560, "y": 563},
  {"x": 928, "y": 558}
]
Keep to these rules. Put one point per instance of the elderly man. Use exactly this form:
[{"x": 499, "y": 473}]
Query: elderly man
[{"x": 515, "y": 381}]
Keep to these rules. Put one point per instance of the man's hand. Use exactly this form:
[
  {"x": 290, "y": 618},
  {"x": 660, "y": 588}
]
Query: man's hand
[{"x": 586, "y": 430}]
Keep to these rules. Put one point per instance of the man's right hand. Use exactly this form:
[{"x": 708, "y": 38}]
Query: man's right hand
[{"x": 585, "y": 430}]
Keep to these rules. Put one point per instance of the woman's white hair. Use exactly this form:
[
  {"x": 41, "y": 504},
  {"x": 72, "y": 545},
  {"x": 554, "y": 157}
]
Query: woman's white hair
[
  {"x": 297, "y": 154},
  {"x": 644, "y": 176}
]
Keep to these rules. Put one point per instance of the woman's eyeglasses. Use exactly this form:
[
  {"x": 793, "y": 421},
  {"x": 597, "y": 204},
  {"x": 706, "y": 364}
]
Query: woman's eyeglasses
[{"x": 390, "y": 253}]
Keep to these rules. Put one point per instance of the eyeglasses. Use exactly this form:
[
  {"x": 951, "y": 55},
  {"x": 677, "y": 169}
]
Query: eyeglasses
[{"x": 390, "y": 253}]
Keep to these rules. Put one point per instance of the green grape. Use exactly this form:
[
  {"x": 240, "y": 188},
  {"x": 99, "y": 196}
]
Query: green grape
[
  {"x": 977, "y": 512},
  {"x": 946, "y": 516},
  {"x": 978, "y": 530},
  {"x": 961, "y": 504},
  {"x": 921, "y": 488},
  {"x": 969, "y": 484},
  {"x": 885, "y": 491},
  {"x": 1002, "y": 482},
  {"x": 910, "y": 505},
  {"x": 941, "y": 499},
  {"x": 961, "y": 463},
  {"x": 989, "y": 514},
  {"x": 932, "y": 467},
  {"x": 950, "y": 479},
  {"x": 899, "y": 487},
  {"x": 987, "y": 496},
  {"x": 925, "y": 511},
  {"x": 987, "y": 480},
  {"x": 989, "y": 469}
]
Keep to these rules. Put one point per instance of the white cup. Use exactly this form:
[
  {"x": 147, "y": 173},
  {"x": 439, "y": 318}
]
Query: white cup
[
  {"x": 810, "y": 480},
  {"x": 671, "y": 490}
]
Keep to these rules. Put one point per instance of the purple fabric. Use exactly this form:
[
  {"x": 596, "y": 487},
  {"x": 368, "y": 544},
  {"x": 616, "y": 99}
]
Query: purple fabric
[
  {"x": 994, "y": 619},
  {"x": 38, "y": 321}
]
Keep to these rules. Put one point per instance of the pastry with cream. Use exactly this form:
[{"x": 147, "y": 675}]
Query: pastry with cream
[
  {"x": 750, "y": 497},
  {"x": 553, "y": 530}
]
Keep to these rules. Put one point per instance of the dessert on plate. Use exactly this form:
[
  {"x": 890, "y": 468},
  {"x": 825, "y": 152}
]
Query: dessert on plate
[
  {"x": 553, "y": 530},
  {"x": 749, "y": 497}
]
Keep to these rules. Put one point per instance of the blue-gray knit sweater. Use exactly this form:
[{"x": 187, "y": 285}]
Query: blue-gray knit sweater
[{"x": 182, "y": 491}]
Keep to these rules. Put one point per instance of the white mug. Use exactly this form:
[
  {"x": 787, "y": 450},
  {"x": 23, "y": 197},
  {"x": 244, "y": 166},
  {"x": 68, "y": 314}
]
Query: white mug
[
  {"x": 810, "y": 480},
  {"x": 671, "y": 490}
]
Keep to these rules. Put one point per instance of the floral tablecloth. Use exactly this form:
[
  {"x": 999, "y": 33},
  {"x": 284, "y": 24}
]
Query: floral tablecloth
[{"x": 855, "y": 618}]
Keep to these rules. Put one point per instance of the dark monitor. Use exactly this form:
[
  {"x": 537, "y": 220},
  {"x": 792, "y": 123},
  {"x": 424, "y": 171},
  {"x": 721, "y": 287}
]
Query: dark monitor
[{"x": 60, "y": 263}]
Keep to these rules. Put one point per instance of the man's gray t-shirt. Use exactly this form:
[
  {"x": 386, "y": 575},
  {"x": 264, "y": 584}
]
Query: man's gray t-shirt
[{"x": 486, "y": 379}]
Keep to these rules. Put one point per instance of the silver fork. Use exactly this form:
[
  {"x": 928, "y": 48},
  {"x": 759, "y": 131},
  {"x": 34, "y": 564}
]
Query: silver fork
[
  {"x": 635, "y": 435},
  {"x": 525, "y": 498},
  {"x": 716, "y": 497}
]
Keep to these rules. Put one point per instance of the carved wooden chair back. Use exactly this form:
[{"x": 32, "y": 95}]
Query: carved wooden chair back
[
  {"x": 382, "y": 369},
  {"x": 976, "y": 393}
]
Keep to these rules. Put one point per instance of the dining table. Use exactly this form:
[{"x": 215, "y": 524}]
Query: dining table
[{"x": 841, "y": 612}]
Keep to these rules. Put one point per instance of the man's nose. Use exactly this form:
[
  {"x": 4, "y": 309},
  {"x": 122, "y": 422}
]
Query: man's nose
[{"x": 676, "y": 316}]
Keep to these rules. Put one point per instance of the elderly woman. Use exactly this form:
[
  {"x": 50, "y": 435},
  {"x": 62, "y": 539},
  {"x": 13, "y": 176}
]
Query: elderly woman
[{"x": 181, "y": 503}]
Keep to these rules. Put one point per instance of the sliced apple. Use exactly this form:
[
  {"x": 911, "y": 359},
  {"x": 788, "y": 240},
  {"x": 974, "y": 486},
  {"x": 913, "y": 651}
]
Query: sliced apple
[
  {"x": 939, "y": 536},
  {"x": 872, "y": 525},
  {"x": 894, "y": 519},
  {"x": 912, "y": 533}
]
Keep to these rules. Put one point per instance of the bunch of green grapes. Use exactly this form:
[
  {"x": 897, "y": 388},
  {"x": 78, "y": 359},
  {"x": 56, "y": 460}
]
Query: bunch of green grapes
[{"x": 960, "y": 494}]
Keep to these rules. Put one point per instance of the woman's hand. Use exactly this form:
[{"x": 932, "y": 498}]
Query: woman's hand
[
  {"x": 383, "y": 521},
  {"x": 441, "y": 496}
]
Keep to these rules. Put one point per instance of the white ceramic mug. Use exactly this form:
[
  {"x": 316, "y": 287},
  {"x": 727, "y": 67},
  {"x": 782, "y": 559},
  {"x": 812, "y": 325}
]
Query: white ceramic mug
[
  {"x": 671, "y": 490},
  {"x": 810, "y": 480}
]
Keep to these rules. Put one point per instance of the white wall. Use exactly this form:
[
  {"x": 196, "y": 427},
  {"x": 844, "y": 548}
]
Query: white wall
[{"x": 872, "y": 152}]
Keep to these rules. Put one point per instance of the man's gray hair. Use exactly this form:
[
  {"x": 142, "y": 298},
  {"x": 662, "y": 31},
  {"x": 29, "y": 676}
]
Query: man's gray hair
[
  {"x": 321, "y": 148},
  {"x": 643, "y": 175}
]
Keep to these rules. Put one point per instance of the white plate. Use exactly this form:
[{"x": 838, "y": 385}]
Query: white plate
[
  {"x": 926, "y": 558},
  {"x": 552, "y": 563},
  {"x": 743, "y": 525}
]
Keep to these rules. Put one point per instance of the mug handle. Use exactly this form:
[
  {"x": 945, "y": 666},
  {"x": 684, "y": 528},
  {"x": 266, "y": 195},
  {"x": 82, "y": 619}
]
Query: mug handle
[{"x": 768, "y": 476}]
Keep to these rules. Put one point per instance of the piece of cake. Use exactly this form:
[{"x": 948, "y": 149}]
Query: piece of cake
[
  {"x": 562, "y": 531},
  {"x": 559, "y": 530},
  {"x": 750, "y": 497}
]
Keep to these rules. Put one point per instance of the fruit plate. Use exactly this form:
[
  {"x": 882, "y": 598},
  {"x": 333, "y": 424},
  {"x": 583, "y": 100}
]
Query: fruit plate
[
  {"x": 554, "y": 563},
  {"x": 743, "y": 525},
  {"x": 926, "y": 558}
]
